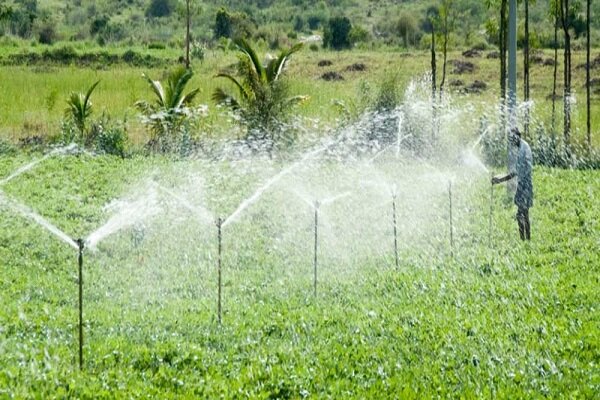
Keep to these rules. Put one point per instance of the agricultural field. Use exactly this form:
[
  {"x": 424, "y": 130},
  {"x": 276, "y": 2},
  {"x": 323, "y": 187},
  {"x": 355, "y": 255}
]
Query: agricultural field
[
  {"x": 488, "y": 317},
  {"x": 320, "y": 228}
]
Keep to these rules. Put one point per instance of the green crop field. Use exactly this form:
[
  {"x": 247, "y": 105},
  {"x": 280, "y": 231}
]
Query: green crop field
[
  {"x": 501, "y": 319},
  {"x": 323, "y": 227}
]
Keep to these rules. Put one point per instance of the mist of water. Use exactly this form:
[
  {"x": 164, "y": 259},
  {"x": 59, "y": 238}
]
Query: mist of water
[
  {"x": 32, "y": 164},
  {"x": 38, "y": 219},
  {"x": 127, "y": 212}
]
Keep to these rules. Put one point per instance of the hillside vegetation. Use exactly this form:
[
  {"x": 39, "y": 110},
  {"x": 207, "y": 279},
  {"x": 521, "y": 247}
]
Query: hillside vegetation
[{"x": 155, "y": 22}]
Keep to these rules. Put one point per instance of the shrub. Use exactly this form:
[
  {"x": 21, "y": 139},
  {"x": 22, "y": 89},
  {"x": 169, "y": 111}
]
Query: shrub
[
  {"x": 337, "y": 33},
  {"x": 109, "y": 138},
  {"x": 160, "y": 8},
  {"x": 47, "y": 34}
]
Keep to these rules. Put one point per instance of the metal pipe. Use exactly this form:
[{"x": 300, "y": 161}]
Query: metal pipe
[
  {"x": 491, "y": 213},
  {"x": 81, "y": 245},
  {"x": 451, "y": 227},
  {"x": 315, "y": 261},
  {"x": 219, "y": 276},
  {"x": 512, "y": 90},
  {"x": 395, "y": 231}
]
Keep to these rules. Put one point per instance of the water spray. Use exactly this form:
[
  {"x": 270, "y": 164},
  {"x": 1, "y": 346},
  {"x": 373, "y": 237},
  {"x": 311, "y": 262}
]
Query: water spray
[
  {"x": 315, "y": 262},
  {"x": 451, "y": 227},
  {"x": 219, "y": 280},
  {"x": 81, "y": 246}
]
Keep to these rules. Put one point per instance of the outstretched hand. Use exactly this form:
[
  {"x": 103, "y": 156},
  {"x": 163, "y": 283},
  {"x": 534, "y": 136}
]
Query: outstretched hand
[{"x": 495, "y": 180}]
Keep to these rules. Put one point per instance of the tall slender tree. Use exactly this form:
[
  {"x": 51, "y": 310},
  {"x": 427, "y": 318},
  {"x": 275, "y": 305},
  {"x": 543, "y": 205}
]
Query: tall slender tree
[
  {"x": 587, "y": 76},
  {"x": 446, "y": 21},
  {"x": 565, "y": 11},
  {"x": 555, "y": 17},
  {"x": 526, "y": 92}
]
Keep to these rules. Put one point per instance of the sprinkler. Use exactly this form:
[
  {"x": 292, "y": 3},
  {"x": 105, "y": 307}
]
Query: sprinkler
[
  {"x": 81, "y": 246},
  {"x": 316, "y": 206},
  {"x": 219, "y": 283},
  {"x": 491, "y": 212},
  {"x": 451, "y": 227},
  {"x": 395, "y": 229}
]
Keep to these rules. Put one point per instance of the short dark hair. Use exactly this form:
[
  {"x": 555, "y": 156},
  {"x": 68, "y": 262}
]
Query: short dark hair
[{"x": 515, "y": 131}]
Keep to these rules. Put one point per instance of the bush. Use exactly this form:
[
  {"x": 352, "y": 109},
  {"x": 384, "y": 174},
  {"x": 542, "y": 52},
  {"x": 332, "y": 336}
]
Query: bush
[
  {"x": 156, "y": 46},
  {"x": 110, "y": 138},
  {"x": 160, "y": 8},
  {"x": 337, "y": 33},
  {"x": 47, "y": 34}
]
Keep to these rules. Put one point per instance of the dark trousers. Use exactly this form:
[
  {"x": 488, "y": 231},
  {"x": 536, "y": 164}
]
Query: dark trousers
[{"x": 523, "y": 221}]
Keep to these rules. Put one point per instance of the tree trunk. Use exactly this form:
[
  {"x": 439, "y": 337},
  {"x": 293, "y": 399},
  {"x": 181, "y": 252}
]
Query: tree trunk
[
  {"x": 187, "y": 34},
  {"x": 433, "y": 85},
  {"x": 567, "y": 77},
  {"x": 554, "y": 80},
  {"x": 526, "y": 68},
  {"x": 503, "y": 49},
  {"x": 587, "y": 78},
  {"x": 445, "y": 52}
]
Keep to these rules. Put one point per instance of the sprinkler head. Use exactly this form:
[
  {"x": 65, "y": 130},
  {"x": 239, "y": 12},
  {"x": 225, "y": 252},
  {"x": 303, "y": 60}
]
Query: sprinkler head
[
  {"x": 317, "y": 204},
  {"x": 81, "y": 243}
]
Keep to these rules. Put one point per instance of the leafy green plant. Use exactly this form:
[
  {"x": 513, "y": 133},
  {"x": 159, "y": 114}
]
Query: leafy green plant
[
  {"x": 263, "y": 101},
  {"x": 79, "y": 109},
  {"x": 170, "y": 109}
]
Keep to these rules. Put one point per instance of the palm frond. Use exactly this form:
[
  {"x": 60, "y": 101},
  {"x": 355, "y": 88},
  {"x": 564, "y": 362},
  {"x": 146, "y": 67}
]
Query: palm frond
[
  {"x": 188, "y": 98},
  {"x": 276, "y": 66},
  {"x": 157, "y": 89},
  {"x": 176, "y": 85},
  {"x": 220, "y": 97},
  {"x": 245, "y": 48},
  {"x": 243, "y": 92},
  {"x": 86, "y": 103}
]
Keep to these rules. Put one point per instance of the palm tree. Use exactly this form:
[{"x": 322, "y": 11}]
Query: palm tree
[
  {"x": 263, "y": 99},
  {"x": 170, "y": 107},
  {"x": 79, "y": 108}
]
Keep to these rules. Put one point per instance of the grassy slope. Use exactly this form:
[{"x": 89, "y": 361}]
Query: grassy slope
[{"x": 516, "y": 321}]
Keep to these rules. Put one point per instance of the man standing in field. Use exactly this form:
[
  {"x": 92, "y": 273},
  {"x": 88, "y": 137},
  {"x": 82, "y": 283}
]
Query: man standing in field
[{"x": 524, "y": 193}]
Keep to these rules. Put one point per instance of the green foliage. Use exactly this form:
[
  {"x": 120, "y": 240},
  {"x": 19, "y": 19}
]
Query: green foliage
[
  {"x": 79, "y": 109},
  {"x": 109, "y": 138},
  {"x": 160, "y": 8},
  {"x": 263, "y": 101},
  {"x": 509, "y": 321},
  {"x": 232, "y": 25},
  {"x": 170, "y": 110},
  {"x": 337, "y": 33}
]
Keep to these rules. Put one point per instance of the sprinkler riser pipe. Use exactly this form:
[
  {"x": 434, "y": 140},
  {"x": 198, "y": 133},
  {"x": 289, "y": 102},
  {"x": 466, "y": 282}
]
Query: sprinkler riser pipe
[
  {"x": 451, "y": 222},
  {"x": 81, "y": 245},
  {"x": 395, "y": 232},
  {"x": 315, "y": 261},
  {"x": 219, "y": 275}
]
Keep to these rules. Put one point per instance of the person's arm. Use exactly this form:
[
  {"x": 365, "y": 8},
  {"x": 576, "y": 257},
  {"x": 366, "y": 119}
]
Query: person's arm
[{"x": 499, "y": 179}]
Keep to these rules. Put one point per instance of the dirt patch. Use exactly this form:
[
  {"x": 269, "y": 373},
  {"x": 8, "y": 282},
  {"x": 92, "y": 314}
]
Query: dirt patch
[
  {"x": 556, "y": 97},
  {"x": 476, "y": 87},
  {"x": 357, "y": 67},
  {"x": 462, "y": 67},
  {"x": 456, "y": 83},
  {"x": 536, "y": 59},
  {"x": 324, "y": 63},
  {"x": 332, "y": 76},
  {"x": 493, "y": 55},
  {"x": 472, "y": 53},
  {"x": 549, "y": 62}
]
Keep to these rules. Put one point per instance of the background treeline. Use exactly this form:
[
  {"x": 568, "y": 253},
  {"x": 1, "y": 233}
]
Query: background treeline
[{"x": 275, "y": 23}]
